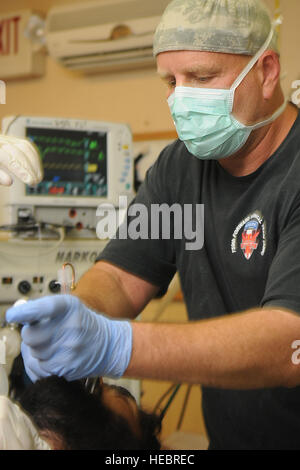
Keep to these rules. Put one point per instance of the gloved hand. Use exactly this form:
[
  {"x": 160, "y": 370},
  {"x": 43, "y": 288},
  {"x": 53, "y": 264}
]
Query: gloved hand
[
  {"x": 63, "y": 337},
  {"x": 17, "y": 432},
  {"x": 21, "y": 158}
]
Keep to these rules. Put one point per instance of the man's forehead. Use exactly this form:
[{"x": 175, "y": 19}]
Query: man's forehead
[{"x": 189, "y": 62}]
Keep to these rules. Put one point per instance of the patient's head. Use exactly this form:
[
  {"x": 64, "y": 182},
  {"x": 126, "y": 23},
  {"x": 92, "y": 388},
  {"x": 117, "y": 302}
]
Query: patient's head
[{"x": 69, "y": 417}]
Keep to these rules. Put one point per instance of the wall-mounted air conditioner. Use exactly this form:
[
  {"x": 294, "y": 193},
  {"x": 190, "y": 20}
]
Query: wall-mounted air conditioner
[{"x": 104, "y": 35}]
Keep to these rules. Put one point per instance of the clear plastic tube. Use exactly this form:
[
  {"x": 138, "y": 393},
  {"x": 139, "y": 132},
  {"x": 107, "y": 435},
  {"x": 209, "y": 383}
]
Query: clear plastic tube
[{"x": 66, "y": 278}]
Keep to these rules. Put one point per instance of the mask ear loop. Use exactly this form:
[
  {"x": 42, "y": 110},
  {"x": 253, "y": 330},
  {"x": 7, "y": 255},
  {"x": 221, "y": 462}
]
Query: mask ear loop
[
  {"x": 247, "y": 69},
  {"x": 250, "y": 64}
]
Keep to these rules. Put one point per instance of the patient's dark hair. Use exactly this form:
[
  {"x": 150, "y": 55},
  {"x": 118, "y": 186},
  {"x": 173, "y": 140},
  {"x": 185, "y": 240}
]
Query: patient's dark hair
[{"x": 81, "y": 420}]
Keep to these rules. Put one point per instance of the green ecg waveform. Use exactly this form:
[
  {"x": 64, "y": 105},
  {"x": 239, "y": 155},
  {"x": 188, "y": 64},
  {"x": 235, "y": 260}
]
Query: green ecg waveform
[
  {"x": 44, "y": 139},
  {"x": 62, "y": 166},
  {"x": 62, "y": 151},
  {"x": 63, "y": 145}
]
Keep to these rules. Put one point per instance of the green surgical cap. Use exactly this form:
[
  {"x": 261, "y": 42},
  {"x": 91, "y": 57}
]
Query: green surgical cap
[{"x": 232, "y": 26}]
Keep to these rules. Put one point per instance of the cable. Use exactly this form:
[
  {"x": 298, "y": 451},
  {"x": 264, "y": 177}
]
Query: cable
[
  {"x": 165, "y": 409},
  {"x": 5, "y": 131},
  {"x": 186, "y": 398},
  {"x": 167, "y": 392},
  {"x": 61, "y": 233},
  {"x": 32, "y": 226}
]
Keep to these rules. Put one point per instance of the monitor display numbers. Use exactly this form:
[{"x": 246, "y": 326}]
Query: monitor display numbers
[{"x": 74, "y": 162}]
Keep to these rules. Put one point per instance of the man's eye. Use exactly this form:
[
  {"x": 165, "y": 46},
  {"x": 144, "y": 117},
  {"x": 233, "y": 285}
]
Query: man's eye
[{"x": 202, "y": 79}]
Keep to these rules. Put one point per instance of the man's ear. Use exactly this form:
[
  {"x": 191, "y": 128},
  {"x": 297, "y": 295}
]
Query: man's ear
[{"x": 269, "y": 70}]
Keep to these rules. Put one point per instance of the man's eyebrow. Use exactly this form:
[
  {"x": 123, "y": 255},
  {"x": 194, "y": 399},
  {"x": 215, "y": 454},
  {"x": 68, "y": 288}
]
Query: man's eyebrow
[
  {"x": 197, "y": 69},
  {"x": 202, "y": 69}
]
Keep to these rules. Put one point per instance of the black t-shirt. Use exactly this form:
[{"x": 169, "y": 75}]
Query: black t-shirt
[{"x": 250, "y": 258}]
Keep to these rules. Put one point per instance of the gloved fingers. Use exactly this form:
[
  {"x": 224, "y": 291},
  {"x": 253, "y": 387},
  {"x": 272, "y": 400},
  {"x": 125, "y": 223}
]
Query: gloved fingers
[
  {"x": 5, "y": 178},
  {"x": 64, "y": 365},
  {"x": 38, "y": 334},
  {"x": 42, "y": 346},
  {"x": 60, "y": 364},
  {"x": 27, "y": 147},
  {"x": 44, "y": 337},
  {"x": 24, "y": 152},
  {"x": 43, "y": 354},
  {"x": 33, "y": 156},
  {"x": 81, "y": 343},
  {"x": 59, "y": 358},
  {"x": 12, "y": 158},
  {"x": 36, "y": 310},
  {"x": 28, "y": 150},
  {"x": 47, "y": 337},
  {"x": 32, "y": 365}
]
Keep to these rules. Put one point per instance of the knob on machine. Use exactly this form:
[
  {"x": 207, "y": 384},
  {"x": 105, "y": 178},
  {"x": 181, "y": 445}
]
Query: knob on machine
[
  {"x": 24, "y": 287},
  {"x": 54, "y": 286}
]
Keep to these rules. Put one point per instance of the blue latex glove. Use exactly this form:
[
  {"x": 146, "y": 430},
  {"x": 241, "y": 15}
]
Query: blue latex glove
[{"x": 63, "y": 337}]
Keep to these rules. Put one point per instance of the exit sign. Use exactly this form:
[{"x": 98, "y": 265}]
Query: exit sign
[{"x": 19, "y": 57}]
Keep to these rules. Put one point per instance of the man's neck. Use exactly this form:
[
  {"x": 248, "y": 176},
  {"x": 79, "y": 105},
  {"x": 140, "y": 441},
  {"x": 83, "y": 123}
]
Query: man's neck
[{"x": 261, "y": 144}]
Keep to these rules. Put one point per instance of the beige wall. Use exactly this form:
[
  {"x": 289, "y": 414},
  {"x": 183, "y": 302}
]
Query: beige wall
[
  {"x": 135, "y": 97},
  {"x": 289, "y": 40}
]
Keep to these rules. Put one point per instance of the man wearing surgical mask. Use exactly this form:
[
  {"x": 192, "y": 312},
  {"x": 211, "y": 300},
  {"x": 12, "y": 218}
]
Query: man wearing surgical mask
[{"x": 238, "y": 154}]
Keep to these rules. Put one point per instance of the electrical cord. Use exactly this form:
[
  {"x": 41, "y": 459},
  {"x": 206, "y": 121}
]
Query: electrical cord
[
  {"x": 172, "y": 391},
  {"x": 29, "y": 254},
  {"x": 5, "y": 131},
  {"x": 184, "y": 406},
  {"x": 167, "y": 392},
  {"x": 32, "y": 225},
  {"x": 165, "y": 409}
]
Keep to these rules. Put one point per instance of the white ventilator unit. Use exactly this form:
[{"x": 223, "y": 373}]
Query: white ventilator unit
[
  {"x": 86, "y": 163},
  {"x": 103, "y": 35}
]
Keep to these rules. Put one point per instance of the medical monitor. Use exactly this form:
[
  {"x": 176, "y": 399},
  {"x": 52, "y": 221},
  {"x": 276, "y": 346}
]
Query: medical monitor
[{"x": 85, "y": 162}]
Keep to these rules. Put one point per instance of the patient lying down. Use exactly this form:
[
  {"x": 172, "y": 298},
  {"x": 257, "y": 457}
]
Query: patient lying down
[{"x": 68, "y": 417}]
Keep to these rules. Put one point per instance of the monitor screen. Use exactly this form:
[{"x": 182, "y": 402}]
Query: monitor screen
[{"x": 75, "y": 162}]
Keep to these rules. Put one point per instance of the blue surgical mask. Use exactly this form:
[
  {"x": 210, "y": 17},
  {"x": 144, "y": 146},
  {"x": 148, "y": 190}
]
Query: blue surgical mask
[{"x": 204, "y": 120}]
